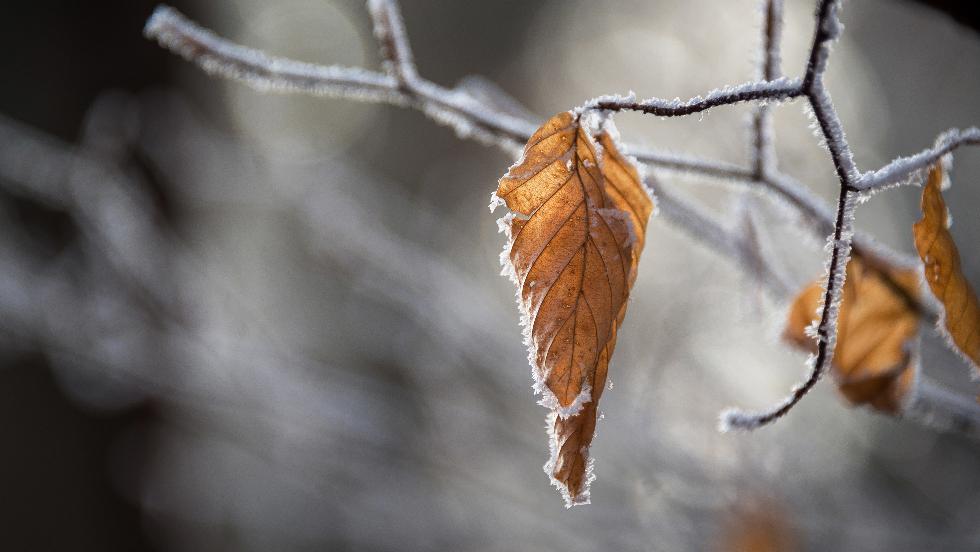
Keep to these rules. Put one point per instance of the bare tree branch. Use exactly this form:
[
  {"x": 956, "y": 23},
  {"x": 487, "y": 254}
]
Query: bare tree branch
[
  {"x": 389, "y": 29},
  {"x": 827, "y": 29},
  {"x": 907, "y": 169},
  {"x": 763, "y": 149},
  {"x": 775, "y": 90}
]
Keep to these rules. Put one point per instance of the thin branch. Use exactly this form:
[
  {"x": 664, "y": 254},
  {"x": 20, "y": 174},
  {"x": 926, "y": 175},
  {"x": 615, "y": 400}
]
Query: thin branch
[
  {"x": 877, "y": 257},
  {"x": 827, "y": 29},
  {"x": 753, "y": 246},
  {"x": 763, "y": 150},
  {"x": 906, "y": 168},
  {"x": 389, "y": 29},
  {"x": 775, "y": 90},
  {"x": 221, "y": 57},
  {"x": 842, "y": 235},
  {"x": 772, "y": 31},
  {"x": 784, "y": 188},
  {"x": 688, "y": 164}
]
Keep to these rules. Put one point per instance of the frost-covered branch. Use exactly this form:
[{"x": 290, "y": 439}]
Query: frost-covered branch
[
  {"x": 389, "y": 29},
  {"x": 680, "y": 163},
  {"x": 455, "y": 108},
  {"x": 223, "y": 58},
  {"x": 841, "y": 242},
  {"x": 828, "y": 28},
  {"x": 772, "y": 39},
  {"x": 904, "y": 169},
  {"x": 763, "y": 149},
  {"x": 775, "y": 90}
]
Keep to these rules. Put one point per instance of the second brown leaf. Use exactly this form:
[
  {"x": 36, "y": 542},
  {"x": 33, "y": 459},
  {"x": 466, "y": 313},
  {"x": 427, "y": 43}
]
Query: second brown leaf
[
  {"x": 876, "y": 329},
  {"x": 943, "y": 272}
]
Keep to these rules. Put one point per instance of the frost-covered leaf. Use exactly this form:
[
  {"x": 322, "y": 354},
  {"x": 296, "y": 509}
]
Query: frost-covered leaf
[
  {"x": 574, "y": 239},
  {"x": 941, "y": 259},
  {"x": 876, "y": 328}
]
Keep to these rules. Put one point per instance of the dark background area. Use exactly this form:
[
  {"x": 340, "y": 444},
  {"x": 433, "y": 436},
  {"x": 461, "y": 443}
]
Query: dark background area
[{"x": 58, "y": 493}]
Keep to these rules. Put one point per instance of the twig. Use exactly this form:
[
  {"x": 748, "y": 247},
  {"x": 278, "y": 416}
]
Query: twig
[
  {"x": 763, "y": 150},
  {"x": 224, "y": 58},
  {"x": 389, "y": 29},
  {"x": 681, "y": 163},
  {"x": 775, "y": 90},
  {"x": 906, "y": 168},
  {"x": 827, "y": 29},
  {"x": 221, "y": 57}
]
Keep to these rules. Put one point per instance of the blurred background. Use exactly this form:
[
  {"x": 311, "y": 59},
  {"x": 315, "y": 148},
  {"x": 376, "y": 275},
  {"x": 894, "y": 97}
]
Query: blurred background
[{"x": 238, "y": 322}]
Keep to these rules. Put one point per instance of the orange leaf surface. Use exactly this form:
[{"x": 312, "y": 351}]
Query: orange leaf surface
[
  {"x": 943, "y": 272},
  {"x": 872, "y": 362},
  {"x": 574, "y": 240}
]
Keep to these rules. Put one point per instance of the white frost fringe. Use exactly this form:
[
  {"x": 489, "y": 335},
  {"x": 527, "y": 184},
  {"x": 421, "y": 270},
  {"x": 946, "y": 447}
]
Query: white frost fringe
[{"x": 584, "y": 496}]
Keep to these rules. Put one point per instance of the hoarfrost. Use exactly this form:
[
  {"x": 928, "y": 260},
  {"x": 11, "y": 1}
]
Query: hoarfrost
[
  {"x": 496, "y": 201},
  {"x": 550, "y": 401},
  {"x": 775, "y": 90},
  {"x": 263, "y": 72},
  {"x": 910, "y": 170}
]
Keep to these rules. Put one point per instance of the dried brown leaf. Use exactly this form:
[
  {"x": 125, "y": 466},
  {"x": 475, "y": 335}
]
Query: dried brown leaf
[
  {"x": 574, "y": 240},
  {"x": 877, "y": 323},
  {"x": 943, "y": 272}
]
